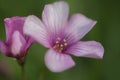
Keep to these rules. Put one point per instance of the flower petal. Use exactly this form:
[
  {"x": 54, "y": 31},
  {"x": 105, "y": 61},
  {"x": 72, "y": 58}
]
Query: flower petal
[
  {"x": 18, "y": 42},
  {"x": 79, "y": 26},
  {"x": 28, "y": 43},
  {"x": 58, "y": 62},
  {"x": 55, "y": 16},
  {"x": 35, "y": 28},
  {"x": 91, "y": 49},
  {"x": 13, "y": 24},
  {"x": 3, "y": 47}
]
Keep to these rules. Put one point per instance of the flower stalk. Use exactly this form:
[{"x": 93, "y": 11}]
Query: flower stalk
[{"x": 21, "y": 63}]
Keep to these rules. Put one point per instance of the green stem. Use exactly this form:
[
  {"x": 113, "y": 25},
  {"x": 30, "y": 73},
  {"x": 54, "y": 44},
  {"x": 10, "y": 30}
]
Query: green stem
[
  {"x": 21, "y": 62},
  {"x": 23, "y": 72},
  {"x": 44, "y": 73}
]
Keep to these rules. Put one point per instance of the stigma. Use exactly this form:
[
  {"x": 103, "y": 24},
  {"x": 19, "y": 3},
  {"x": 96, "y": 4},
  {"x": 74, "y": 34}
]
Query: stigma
[{"x": 60, "y": 44}]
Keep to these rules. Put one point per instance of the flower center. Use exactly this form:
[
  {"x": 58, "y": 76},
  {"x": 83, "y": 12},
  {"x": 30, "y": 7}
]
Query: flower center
[{"x": 60, "y": 45}]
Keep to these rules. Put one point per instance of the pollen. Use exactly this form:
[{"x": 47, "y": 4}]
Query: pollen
[{"x": 60, "y": 45}]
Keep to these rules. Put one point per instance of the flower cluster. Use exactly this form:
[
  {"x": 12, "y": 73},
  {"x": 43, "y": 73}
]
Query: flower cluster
[{"x": 54, "y": 31}]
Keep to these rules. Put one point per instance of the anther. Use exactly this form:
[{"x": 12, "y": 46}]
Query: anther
[
  {"x": 64, "y": 40},
  {"x": 58, "y": 39},
  {"x": 65, "y": 44},
  {"x": 61, "y": 45},
  {"x": 57, "y": 42}
]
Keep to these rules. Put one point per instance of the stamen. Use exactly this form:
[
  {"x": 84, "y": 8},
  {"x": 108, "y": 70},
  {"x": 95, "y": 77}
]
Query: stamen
[
  {"x": 54, "y": 47},
  {"x": 57, "y": 45},
  {"x": 65, "y": 44},
  {"x": 61, "y": 45},
  {"x": 60, "y": 50},
  {"x": 64, "y": 40},
  {"x": 58, "y": 38},
  {"x": 57, "y": 42}
]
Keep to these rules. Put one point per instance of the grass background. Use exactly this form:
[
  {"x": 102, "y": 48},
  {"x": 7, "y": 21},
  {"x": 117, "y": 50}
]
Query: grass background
[{"x": 106, "y": 31}]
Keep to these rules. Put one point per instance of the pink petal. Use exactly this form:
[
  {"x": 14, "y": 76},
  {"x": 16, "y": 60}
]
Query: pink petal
[
  {"x": 79, "y": 26},
  {"x": 35, "y": 28},
  {"x": 13, "y": 24},
  {"x": 3, "y": 47},
  {"x": 58, "y": 62},
  {"x": 55, "y": 16},
  {"x": 29, "y": 42},
  {"x": 91, "y": 49},
  {"x": 18, "y": 42}
]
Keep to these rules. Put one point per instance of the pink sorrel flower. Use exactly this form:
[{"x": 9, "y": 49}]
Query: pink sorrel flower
[
  {"x": 62, "y": 36},
  {"x": 17, "y": 42}
]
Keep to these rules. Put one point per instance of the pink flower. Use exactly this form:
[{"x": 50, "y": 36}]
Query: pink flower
[
  {"x": 17, "y": 42},
  {"x": 62, "y": 36}
]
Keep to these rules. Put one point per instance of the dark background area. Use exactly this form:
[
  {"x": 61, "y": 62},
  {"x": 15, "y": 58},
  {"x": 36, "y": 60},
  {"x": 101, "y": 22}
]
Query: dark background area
[{"x": 106, "y": 31}]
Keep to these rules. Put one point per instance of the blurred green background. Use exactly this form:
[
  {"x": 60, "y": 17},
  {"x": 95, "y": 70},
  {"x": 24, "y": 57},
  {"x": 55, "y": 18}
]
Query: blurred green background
[{"x": 106, "y": 31}]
